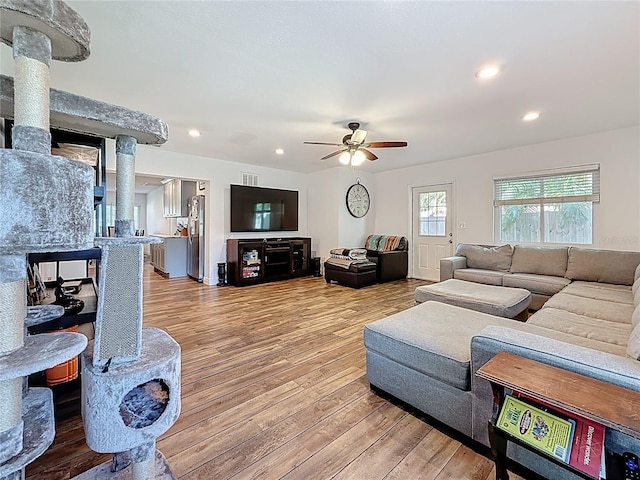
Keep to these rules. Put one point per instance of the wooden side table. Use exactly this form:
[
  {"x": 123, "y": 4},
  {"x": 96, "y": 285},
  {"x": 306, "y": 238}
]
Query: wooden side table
[{"x": 612, "y": 406}]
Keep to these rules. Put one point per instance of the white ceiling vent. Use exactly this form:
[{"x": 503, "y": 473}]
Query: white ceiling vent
[{"x": 250, "y": 179}]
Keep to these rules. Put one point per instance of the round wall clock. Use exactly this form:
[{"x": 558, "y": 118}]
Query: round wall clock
[{"x": 358, "y": 200}]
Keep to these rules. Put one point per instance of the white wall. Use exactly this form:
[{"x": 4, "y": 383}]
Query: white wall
[
  {"x": 323, "y": 213},
  {"x": 220, "y": 174},
  {"x": 140, "y": 199},
  {"x": 156, "y": 223},
  {"x": 330, "y": 224},
  {"x": 616, "y": 217}
]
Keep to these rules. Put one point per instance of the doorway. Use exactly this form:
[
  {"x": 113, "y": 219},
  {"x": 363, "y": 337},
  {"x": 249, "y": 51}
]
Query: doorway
[{"x": 432, "y": 229}]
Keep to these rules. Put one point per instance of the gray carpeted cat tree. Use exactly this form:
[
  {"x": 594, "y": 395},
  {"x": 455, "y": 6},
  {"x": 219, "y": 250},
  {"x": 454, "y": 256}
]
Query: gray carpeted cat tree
[{"x": 130, "y": 374}]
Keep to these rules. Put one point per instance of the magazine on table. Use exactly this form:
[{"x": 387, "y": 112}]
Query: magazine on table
[
  {"x": 542, "y": 430},
  {"x": 587, "y": 447}
]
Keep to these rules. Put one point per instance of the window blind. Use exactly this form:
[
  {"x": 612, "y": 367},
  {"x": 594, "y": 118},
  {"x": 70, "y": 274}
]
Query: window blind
[{"x": 549, "y": 187}]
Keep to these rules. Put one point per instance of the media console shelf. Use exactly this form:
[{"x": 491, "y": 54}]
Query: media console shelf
[{"x": 251, "y": 261}]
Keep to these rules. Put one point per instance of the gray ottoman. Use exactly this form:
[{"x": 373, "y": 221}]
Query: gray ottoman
[{"x": 505, "y": 302}]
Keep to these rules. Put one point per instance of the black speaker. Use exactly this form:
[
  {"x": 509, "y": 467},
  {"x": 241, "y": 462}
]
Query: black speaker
[
  {"x": 222, "y": 273},
  {"x": 315, "y": 265}
]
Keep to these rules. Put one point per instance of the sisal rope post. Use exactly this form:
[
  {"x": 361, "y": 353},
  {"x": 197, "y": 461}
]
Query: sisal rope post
[
  {"x": 32, "y": 55},
  {"x": 13, "y": 311},
  {"x": 125, "y": 184}
]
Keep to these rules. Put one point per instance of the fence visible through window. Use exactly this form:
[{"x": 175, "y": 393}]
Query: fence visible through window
[
  {"x": 433, "y": 213},
  {"x": 547, "y": 208}
]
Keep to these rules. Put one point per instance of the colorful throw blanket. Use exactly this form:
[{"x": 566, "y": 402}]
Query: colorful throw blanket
[{"x": 386, "y": 243}]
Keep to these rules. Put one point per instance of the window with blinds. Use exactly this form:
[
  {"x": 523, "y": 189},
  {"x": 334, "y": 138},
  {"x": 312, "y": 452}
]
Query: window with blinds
[{"x": 547, "y": 207}]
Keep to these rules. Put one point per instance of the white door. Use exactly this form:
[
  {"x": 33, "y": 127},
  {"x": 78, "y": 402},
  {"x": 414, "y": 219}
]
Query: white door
[{"x": 432, "y": 227}]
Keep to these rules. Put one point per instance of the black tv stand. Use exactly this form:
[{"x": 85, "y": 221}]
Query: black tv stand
[{"x": 252, "y": 260}]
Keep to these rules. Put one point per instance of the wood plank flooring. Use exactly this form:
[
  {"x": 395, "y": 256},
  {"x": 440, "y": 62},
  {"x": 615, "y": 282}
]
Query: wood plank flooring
[{"x": 274, "y": 386}]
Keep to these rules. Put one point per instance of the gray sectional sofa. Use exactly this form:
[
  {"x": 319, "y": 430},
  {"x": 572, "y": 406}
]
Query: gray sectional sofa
[{"x": 587, "y": 321}]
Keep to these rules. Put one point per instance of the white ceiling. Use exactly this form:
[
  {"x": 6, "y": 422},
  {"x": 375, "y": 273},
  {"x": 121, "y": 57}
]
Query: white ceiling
[{"x": 254, "y": 76}]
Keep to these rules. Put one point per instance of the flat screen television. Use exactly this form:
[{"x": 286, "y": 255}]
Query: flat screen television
[{"x": 258, "y": 209}]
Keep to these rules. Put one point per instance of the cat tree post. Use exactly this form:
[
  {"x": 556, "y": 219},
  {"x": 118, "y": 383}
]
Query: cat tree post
[
  {"x": 46, "y": 222},
  {"x": 125, "y": 182},
  {"x": 130, "y": 374}
]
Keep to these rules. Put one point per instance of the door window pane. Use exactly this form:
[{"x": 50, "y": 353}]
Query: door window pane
[{"x": 433, "y": 213}]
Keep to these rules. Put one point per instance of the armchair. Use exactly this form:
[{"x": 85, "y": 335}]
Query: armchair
[{"x": 390, "y": 254}]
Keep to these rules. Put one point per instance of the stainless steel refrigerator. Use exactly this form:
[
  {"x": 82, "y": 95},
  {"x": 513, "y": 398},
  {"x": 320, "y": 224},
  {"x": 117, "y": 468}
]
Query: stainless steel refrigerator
[{"x": 196, "y": 240}]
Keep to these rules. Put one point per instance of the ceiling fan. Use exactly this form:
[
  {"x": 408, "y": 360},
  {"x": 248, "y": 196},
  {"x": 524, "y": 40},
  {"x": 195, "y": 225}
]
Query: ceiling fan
[{"x": 355, "y": 150}]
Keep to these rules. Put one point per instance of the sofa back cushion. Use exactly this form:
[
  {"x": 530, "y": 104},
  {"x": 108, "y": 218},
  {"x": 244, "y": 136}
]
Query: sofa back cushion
[
  {"x": 635, "y": 318},
  {"x": 633, "y": 346},
  {"x": 386, "y": 243},
  {"x": 607, "y": 266},
  {"x": 541, "y": 260},
  {"x": 487, "y": 258}
]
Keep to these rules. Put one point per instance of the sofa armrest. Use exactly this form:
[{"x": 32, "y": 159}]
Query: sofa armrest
[
  {"x": 450, "y": 264},
  {"x": 614, "y": 369}
]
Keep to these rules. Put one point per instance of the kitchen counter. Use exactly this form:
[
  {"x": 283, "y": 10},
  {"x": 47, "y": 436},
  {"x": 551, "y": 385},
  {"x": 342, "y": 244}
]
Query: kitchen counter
[{"x": 169, "y": 258}]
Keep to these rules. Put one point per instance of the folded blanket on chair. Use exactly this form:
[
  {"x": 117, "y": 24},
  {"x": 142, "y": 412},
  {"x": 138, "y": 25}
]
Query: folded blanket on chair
[
  {"x": 349, "y": 253},
  {"x": 344, "y": 262}
]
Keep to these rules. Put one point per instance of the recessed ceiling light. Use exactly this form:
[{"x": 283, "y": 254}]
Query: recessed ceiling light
[
  {"x": 531, "y": 116},
  {"x": 279, "y": 151},
  {"x": 194, "y": 133},
  {"x": 488, "y": 71}
]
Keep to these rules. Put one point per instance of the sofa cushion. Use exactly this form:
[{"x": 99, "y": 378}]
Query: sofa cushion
[
  {"x": 432, "y": 338},
  {"x": 590, "y": 307},
  {"x": 544, "y": 284},
  {"x": 489, "y": 277},
  {"x": 582, "y": 326},
  {"x": 488, "y": 258},
  {"x": 515, "y": 327},
  {"x": 633, "y": 347},
  {"x": 541, "y": 260},
  {"x": 601, "y": 291},
  {"x": 635, "y": 317},
  {"x": 636, "y": 275},
  {"x": 607, "y": 266},
  {"x": 636, "y": 286}
]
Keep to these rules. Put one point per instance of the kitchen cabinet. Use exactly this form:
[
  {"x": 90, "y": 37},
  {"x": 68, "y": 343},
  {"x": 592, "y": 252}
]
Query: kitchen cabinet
[
  {"x": 169, "y": 258},
  {"x": 176, "y": 197}
]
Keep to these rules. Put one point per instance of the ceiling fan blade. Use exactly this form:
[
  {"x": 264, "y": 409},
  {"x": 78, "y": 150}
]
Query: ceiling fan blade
[
  {"x": 385, "y": 144},
  {"x": 368, "y": 154},
  {"x": 357, "y": 138},
  {"x": 333, "y": 154},
  {"x": 324, "y": 143}
]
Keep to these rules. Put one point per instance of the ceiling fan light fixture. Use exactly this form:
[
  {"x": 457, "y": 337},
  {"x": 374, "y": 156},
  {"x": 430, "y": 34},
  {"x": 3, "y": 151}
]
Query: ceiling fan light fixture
[
  {"x": 357, "y": 159},
  {"x": 489, "y": 71},
  {"x": 345, "y": 158}
]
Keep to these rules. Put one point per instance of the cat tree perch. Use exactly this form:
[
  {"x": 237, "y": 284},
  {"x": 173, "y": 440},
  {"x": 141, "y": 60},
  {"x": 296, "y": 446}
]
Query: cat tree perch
[{"x": 130, "y": 374}]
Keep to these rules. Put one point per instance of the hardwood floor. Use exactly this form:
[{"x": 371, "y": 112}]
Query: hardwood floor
[{"x": 274, "y": 386}]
